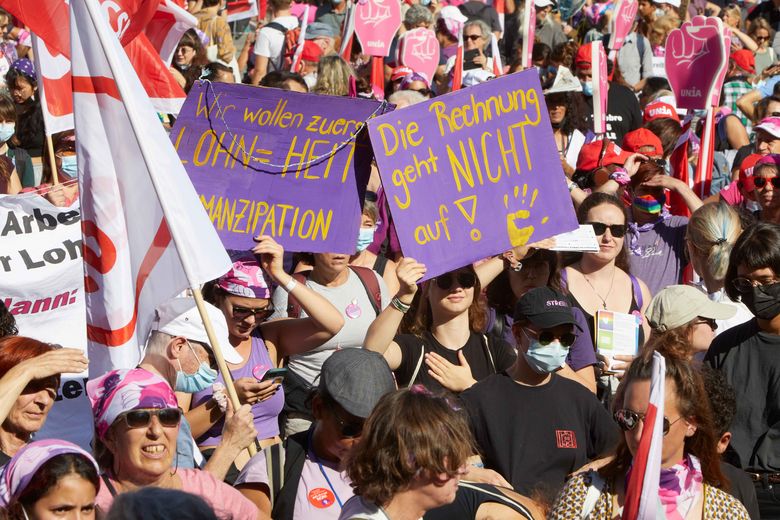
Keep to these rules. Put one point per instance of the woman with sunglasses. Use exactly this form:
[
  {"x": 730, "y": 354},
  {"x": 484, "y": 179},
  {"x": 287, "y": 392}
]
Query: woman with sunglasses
[
  {"x": 136, "y": 424},
  {"x": 29, "y": 378},
  {"x": 747, "y": 356},
  {"x": 444, "y": 348},
  {"x": 766, "y": 183},
  {"x": 690, "y": 478},
  {"x": 243, "y": 295},
  {"x": 763, "y": 34}
]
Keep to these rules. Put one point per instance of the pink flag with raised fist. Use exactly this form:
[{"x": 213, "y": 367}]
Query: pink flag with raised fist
[
  {"x": 696, "y": 61},
  {"x": 418, "y": 49},
  {"x": 376, "y": 22},
  {"x": 598, "y": 58},
  {"x": 622, "y": 21}
]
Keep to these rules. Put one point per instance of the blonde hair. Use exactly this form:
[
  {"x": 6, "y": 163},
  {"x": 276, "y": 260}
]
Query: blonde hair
[
  {"x": 712, "y": 230},
  {"x": 662, "y": 26},
  {"x": 333, "y": 74}
]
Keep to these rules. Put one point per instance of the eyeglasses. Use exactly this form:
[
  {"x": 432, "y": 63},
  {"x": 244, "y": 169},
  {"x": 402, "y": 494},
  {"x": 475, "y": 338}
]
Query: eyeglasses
[
  {"x": 709, "y": 321},
  {"x": 617, "y": 230},
  {"x": 169, "y": 417},
  {"x": 760, "y": 182},
  {"x": 261, "y": 313},
  {"x": 348, "y": 429},
  {"x": 745, "y": 285},
  {"x": 546, "y": 337},
  {"x": 657, "y": 162},
  {"x": 774, "y": 114},
  {"x": 472, "y": 37},
  {"x": 629, "y": 419},
  {"x": 465, "y": 279}
]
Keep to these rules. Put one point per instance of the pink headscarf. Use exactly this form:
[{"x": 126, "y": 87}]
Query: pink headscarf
[
  {"x": 246, "y": 278},
  {"x": 16, "y": 475},
  {"x": 120, "y": 391}
]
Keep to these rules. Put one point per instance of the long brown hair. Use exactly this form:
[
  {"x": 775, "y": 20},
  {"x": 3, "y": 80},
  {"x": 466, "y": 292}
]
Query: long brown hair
[
  {"x": 423, "y": 316},
  {"x": 693, "y": 405}
]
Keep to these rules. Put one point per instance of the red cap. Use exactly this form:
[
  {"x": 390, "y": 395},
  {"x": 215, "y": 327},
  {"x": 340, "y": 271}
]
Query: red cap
[
  {"x": 746, "y": 170},
  {"x": 583, "y": 57},
  {"x": 745, "y": 60},
  {"x": 400, "y": 73},
  {"x": 642, "y": 138},
  {"x": 589, "y": 155},
  {"x": 659, "y": 110},
  {"x": 311, "y": 51}
]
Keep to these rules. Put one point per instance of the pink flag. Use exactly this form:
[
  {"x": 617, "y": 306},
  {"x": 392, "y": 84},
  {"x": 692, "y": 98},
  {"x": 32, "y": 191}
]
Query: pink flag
[
  {"x": 146, "y": 236},
  {"x": 457, "y": 69},
  {"x": 600, "y": 87},
  {"x": 53, "y": 71},
  {"x": 642, "y": 502},
  {"x": 167, "y": 26}
]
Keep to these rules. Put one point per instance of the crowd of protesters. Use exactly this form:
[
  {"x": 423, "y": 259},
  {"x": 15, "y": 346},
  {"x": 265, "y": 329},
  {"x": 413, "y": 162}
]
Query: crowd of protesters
[{"x": 479, "y": 393}]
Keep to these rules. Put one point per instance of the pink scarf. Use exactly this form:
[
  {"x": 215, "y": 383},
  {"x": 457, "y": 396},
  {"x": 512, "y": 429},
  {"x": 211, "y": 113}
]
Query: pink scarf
[{"x": 679, "y": 487}]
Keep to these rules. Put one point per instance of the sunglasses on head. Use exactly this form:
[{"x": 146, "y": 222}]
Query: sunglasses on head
[
  {"x": 465, "y": 279},
  {"x": 169, "y": 417},
  {"x": 760, "y": 182},
  {"x": 617, "y": 230},
  {"x": 349, "y": 429},
  {"x": 261, "y": 313},
  {"x": 629, "y": 419},
  {"x": 546, "y": 337}
]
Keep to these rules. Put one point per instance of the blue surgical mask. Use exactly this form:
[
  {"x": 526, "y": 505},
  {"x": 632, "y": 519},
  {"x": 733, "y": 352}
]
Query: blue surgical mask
[
  {"x": 199, "y": 381},
  {"x": 587, "y": 88},
  {"x": 544, "y": 359},
  {"x": 69, "y": 166},
  {"x": 365, "y": 237},
  {"x": 6, "y": 131}
]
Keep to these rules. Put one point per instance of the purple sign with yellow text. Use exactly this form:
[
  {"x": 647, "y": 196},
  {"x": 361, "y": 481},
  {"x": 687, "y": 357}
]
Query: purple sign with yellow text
[
  {"x": 266, "y": 161},
  {"x": 473, "y": 173}
]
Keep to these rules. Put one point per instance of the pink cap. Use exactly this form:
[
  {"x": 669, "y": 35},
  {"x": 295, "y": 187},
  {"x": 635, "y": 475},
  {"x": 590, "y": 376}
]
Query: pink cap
[
  {"x": 246, "y": 278},
  {"x": 770, "y": 125}
]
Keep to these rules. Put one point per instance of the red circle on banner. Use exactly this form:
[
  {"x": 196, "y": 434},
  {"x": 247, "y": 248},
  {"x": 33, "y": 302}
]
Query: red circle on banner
[{"x": 321, "y": 498}]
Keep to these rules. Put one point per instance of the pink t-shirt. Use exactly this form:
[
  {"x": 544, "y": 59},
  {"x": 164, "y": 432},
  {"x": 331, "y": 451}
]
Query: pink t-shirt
[{"x": 227, "y": 502}]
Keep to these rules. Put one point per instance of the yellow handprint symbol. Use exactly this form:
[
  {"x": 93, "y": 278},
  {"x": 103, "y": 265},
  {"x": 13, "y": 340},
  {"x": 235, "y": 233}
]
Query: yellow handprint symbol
[{"x": 519, "y": 236}]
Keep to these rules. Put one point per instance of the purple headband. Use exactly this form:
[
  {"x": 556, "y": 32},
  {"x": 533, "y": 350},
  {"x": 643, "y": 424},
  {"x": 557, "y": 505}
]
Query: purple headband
[
  {"x": 120, "y": 391},
  {"x": 24, "y": 66},
  {"x": 413, "y": 77},
  {"x": 16, "y": 475},
  {"x": 246, "y": 278}
]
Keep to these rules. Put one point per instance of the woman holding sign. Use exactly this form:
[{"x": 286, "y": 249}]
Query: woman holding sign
[
  {"x": 445, "y": 349},
  {"x": 600, "y": 283}
]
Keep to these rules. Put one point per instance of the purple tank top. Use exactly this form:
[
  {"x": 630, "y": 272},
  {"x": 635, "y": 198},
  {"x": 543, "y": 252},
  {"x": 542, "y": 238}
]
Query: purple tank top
[{"x": 266, "y": 413}]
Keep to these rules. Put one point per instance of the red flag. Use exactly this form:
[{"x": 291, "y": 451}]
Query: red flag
[
  {"x": 457, "y": 69},
  {"x": 53, "y": 71},
  {"x": 678, "y": 162}
]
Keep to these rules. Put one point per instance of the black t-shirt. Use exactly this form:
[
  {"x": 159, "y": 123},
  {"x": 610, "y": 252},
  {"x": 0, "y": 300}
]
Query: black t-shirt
[
  {"x": 470, "y": 497},
  {"x": 474, "y": 351},
  {"x": 768, "y": 11},
  {"x": 4, "y": 459},
  {"x": 534, "y": 436},
  {"x": 741, "y": 488},
  {"x": 623, "y": 112},
  {"x": 750, "y": 360}
]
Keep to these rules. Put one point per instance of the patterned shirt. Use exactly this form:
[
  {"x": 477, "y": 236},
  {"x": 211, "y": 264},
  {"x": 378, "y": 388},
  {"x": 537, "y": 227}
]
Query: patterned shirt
[{"x": 734, "y": 88}]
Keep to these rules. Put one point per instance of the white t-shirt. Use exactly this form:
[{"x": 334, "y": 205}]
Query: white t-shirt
[
  {"x": 352, "y": 300},
  {"x": 316, "y": 498},
  {"x": 270, "y": 41},
  {"x": 358, "y": 509}
]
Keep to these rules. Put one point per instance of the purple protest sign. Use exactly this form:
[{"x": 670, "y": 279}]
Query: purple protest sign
[
  {"x": 473, "y": 173},
  {"x": 277, "y": 163}
]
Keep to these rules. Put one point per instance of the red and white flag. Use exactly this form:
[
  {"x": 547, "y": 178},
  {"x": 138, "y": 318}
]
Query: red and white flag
[
  {"x": 167, "y": 26},
  {"x": 146, "y": 235},
  {"x": 241, "y": 9},
  {"x": 642, "y": 502},
  {"x": 348, "y": 32},
  {"x": 457, "y": 69},
  {"x": 53, "y": 71},
  {"x": 498, "y": 67}
]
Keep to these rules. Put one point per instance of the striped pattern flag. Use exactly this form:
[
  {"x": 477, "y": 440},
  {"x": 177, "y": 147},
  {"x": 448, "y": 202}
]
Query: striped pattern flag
[
  {"x": 642, "y": 502},
  {"x": 457, "y": 69}
]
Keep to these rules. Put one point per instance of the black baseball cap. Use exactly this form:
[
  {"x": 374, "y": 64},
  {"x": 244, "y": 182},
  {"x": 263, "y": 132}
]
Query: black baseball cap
[{"x": 545, "y": 308}]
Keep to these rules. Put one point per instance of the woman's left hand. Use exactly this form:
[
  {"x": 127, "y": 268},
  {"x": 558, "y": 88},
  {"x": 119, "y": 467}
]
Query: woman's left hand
[
  {"x": 271, "y": 255},
  {"x": 455, "y": 378},
  {"x": 663, "y": 181}
]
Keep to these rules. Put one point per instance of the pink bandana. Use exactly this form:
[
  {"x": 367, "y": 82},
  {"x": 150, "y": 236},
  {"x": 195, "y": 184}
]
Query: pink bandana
[
  {"x": 246, "y": 278},
  {"x": 120, "y": 391}
]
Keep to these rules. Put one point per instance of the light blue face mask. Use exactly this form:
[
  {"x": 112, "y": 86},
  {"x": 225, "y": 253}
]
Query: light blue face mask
[
  {"x": 544, "y": 359},
  {"x": 69, "y": 166},
  {"x": 587, "y": 88},
  {"x": 200, "y": 380},
  {"x": 365, "y": 237},
  {"x": 6, "y": 131}
]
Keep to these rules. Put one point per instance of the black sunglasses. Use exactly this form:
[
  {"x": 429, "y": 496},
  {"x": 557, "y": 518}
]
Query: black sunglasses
[
  {"x": 546, "y": 337},
  {"x": 169, "y": 417},
  {"x": 472, "y": 37},
  {"x": 465, "y": 279},
  {"x": 745, "y": 285},
  {"x": 629, "y": 419},
  {"x": 617, "y": 230},
  {"x": 760, "y": 182},
  {"x": 709, "y": 321},
  {"x": 261, "y": 313},
  {"x": 349, "y": 429}
]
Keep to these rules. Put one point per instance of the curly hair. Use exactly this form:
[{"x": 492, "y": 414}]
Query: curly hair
[
  {"x": 333, "y": 74},
  {"x": 692, "y": 404},
  {"x": 723, "y": 399},
  {"x": 410, "y": 433},
  {"x": 423, "y": 316}
]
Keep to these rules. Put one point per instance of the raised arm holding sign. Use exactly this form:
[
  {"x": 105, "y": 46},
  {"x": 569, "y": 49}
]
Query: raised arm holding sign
[{"x": 473, "y": 173}]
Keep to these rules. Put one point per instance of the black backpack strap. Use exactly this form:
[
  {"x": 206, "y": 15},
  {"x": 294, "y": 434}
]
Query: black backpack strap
[
  {"x": 277, "y": 26},
  {"x": 109, "y": 485},
  {"x": 295, "y": 448}
]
